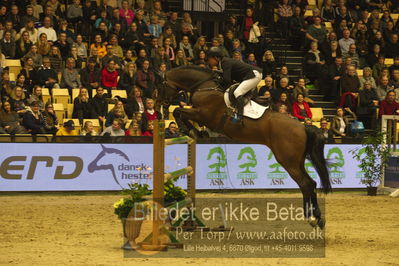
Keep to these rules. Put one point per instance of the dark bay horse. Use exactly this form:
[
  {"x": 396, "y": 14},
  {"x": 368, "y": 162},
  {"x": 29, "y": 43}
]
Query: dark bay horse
[{"x": 290, "y": 141}]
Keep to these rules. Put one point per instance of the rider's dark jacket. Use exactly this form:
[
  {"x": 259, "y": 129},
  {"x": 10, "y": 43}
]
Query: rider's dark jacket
[{"x": 236, "y": 70}]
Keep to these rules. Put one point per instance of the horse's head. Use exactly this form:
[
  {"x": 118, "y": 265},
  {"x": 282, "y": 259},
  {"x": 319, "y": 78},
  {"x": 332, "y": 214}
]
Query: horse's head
[{"x": 166, "y": 93}]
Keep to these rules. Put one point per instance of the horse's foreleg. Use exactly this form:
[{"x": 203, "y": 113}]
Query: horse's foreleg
[{"x": 182, "y": 116}]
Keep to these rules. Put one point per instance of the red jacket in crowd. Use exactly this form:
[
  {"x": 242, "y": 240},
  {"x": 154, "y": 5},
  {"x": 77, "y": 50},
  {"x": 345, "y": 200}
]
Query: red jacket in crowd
[
  {"x": 388, "y": 108},
  {"x": 109, "y": 79},
  {"x": 296, "y": 110}
]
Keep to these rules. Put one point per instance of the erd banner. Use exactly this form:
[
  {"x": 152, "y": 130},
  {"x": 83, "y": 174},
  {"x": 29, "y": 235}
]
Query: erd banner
[{"x": 74, "y": 167}]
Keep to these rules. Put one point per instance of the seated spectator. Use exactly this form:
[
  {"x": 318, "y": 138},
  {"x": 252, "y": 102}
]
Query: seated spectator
[
  {"x": 251, "y": 60},
  {"x": 300, "y": 88},
  {"x": 368, "y": 104},
  {"x": 134, "y": 129},
  {"x": 23, "y": 45},
  {"x": 367, "y": 76},
  {"x": 50, "y": 118},
  {"x": 395, "y": 65},
  {"x": 110, "y": 56},
  {"x": 284, "y": 74},
  {"x": 116, "y": 113},
  {"x": 286, "y": 88},
  {"x": 8, "y": 46},
  {"x": 150, "y": 113},
  {"x": 355, "y": 59},
  {"x": 383, "y": 88},
  {"x": 81, "y": 106},
  {"x": 56, "y": 59},
  {"x": 394, "y": 81},
  {"x": 47, "y": 76},
  {"x": 160, "y": 58},
  {"x": 327, "y": 134},
  {"x": 134, "y": 39},
  {"x": 78, "y": 60},
  {"x": 9, "y": 120},
  {"x": 128, "y": 78},
  {"x": 33, "y": 119},
  {"x": 169, "y": 52},
  {"x": 283, "y": 100},
  {"x": 345, "y": 41},
  {"x": 48, "y": 30},
  {"x": 172, "y": 131},
  {"x": 135, "y": 102},
  {"x": 18, "y": 101},
  {"x": 75, "y": 13},
  {"x": 146, "y": 79},
  {"x": 115, "y": 129},
  {"x": 154, "y": 28},
  {"x": 99, "y": 105},
  {"x": 90, "y": 76},
  {"x": 275, "y": 94},
  {"x": 110, "y": 76},
  {"x": 88, "y": 129},
  {"x": 30, "y": 29},
  {"x": 34, "y": 55},
  {"x": 129, "y": 57},
  {"x": 389, "y": 106},
  {"x": 148, "y": 132},
  {"x": 372, "y": 57},
  {"x": 340, "y": 123},
  {"x": 80, "y": 46},
  {"x": 29, "y": 72},
  {"x": 43, "y": 45},
  {"x": 378, "y": 67},
  {"x": 6, "y": 86},
  {"x": 70, "y": 77},
  {"x": 63, "y": 45},
  {"x": 37, "y": 97},
  {"x": 98, "y": 43},
  {"x": 67, "y": 129},
  {"x": 24, "y": 84},
  {"x": 300, "y": 109},
  {"x": 116, "y": 49},
  {"x": 168, "y": 33},
  {"x": 314, "y": 61},
  {"x": 392, "y": 46},
  {"x": 186, "y": 47},
  {"x": 181, "y": 59},
  {"x": 160, "y": 73}
]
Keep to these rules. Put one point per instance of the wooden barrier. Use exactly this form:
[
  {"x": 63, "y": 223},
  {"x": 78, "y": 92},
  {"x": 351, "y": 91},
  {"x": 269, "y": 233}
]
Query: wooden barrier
[
  {"x": 153, "y": 241},
  {"x": 389, "y": 124}
]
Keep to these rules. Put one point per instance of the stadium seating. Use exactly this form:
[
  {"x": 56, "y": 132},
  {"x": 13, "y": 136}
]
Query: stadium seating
[
  {"x": 120, "y": 93},
  {"x": 61, "y": 96},
  {"x": 59, "y": 111},
  {"x": 69, "y": 110},
  {"x": 171, "y": 109},
  {"x": 46, "y": 95},
  {"x": 317, "y": 114}
]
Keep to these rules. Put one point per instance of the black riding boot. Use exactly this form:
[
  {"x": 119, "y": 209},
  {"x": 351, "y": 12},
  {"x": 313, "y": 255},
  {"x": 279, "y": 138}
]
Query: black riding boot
[{"x": 240, "y": 109}]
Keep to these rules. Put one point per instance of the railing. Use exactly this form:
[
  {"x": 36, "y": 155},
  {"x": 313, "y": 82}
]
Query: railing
[{"x": 204, "y": 5}]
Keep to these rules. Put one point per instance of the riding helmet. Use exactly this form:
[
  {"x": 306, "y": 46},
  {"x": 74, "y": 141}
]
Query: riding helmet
[{"x": 214, "y": 52}]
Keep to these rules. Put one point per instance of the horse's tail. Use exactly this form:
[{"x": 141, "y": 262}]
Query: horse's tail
[{"x": 315, "y": 149}]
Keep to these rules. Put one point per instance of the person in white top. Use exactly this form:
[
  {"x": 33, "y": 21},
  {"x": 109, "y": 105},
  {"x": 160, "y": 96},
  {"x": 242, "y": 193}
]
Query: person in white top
[
  {"x": 30, "y": 28},
  {"x": 48, "y": 29}
]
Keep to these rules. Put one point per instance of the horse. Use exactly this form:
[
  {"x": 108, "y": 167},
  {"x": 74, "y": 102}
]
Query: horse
[{"x": 290, "y": 141}]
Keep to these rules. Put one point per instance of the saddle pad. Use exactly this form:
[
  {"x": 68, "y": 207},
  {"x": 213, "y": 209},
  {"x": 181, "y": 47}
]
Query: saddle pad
[{"x": 251, "y": 109}]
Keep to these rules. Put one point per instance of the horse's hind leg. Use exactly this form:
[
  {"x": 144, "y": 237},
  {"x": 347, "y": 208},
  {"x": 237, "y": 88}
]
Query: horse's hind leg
[{"x": 307, "y": 186}]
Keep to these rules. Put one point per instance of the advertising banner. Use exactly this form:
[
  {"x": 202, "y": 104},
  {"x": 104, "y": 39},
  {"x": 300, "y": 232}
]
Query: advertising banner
[{"x": 84, "y": 167}]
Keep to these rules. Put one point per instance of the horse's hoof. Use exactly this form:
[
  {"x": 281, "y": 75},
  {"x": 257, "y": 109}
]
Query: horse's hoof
[
  {"x": 321, "y": 223},
  {"x": 313, "y": 221}
]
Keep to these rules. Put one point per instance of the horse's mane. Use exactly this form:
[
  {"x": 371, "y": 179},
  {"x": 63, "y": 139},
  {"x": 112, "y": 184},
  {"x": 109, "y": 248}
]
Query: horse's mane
[{"x": 194, "y": 67}]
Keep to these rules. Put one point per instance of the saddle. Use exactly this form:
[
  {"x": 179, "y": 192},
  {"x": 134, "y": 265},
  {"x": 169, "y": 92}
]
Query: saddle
[{"x": 251, "y": 95}]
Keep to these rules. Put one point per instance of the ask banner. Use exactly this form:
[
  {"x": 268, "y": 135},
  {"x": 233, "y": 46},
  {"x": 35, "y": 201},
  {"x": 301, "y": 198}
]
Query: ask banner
[{"x": 77, "y": 167}]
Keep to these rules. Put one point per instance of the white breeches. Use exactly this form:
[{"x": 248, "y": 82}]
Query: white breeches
[{"x": 248, "y": 84}]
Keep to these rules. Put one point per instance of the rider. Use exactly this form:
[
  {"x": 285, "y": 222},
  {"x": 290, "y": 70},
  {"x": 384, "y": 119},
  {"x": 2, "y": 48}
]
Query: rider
[{"x": 248, "y": 76}]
